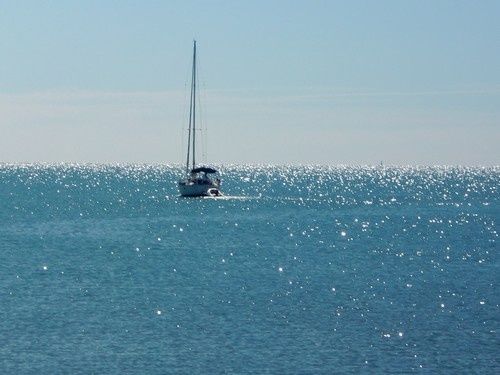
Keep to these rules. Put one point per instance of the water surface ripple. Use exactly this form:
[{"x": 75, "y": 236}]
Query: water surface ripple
[{"x": 298, "y": 270}]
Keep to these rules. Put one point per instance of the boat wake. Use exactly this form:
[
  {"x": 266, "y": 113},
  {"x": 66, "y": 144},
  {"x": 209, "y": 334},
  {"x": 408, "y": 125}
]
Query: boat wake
[{"x": 231, "y": 197}]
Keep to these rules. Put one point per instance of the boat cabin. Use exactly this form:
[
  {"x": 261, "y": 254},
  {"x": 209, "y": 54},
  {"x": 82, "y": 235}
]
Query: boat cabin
[{"x": 201, "y": 175}]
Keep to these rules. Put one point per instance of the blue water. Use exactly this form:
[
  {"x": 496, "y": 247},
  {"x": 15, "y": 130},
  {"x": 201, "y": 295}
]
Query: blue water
[{"x": 298, "y": 270}]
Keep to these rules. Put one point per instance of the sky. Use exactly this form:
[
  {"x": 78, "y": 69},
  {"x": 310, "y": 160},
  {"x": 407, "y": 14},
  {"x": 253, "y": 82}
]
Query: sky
[{"x": 281, "y": 82}]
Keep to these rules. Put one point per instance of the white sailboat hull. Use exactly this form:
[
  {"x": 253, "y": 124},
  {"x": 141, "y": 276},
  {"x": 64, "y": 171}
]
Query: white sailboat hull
[{"x": 195, "y": 189}]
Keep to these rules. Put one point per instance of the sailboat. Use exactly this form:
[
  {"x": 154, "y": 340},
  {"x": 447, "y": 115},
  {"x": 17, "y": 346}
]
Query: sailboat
[{"x": 198, "y": 181}]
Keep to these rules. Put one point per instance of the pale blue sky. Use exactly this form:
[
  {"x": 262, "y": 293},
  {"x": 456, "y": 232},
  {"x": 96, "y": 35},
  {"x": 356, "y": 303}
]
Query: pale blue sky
[{"x": 357, "y": 82}]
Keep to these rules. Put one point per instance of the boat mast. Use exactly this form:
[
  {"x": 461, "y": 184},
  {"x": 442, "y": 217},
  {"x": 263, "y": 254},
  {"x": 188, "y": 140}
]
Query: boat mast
[
  {"x": 194, "y": 103},
  {"x": 192, "y": 107}
]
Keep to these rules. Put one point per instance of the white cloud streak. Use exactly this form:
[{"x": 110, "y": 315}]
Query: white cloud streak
[{"x": 255, "y": 127}]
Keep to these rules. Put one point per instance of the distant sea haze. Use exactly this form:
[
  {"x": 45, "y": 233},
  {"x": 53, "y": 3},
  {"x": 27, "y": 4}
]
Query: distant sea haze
[{"x": 296, "y": 270}]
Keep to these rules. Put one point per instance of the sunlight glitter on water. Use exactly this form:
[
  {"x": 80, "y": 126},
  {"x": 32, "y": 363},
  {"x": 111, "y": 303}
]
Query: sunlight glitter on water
[{"x": 381, "y": 259}]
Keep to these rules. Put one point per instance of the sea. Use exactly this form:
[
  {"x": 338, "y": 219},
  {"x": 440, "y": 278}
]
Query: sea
[{"x": 295, "y": 270}]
